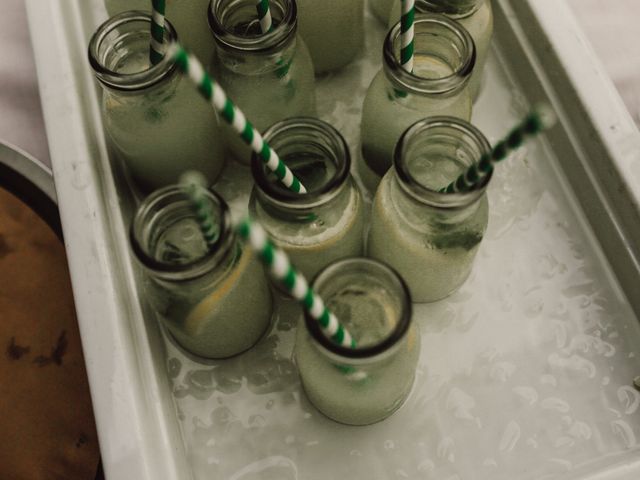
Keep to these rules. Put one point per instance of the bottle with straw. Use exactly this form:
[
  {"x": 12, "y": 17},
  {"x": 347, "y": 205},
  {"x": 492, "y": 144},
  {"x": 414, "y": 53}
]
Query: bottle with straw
[
  {"x": 435, "y": 220},
  {"x": 268, "y": 88}
]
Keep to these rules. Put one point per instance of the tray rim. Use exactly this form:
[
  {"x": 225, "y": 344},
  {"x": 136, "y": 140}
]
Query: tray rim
[{"x": 139, "y": 435}]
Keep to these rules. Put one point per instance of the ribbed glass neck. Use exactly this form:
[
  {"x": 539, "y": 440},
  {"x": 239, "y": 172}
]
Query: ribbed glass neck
[
  {"x": 317, "y": 155},
  {"x": 119, "y": 53},
  {"x": 434, "y": 152},
  {"x": 444, "y": 57},
  {"x": 235, "y": 26},
  {"x": 360, "y": 278},
  {"x": 452, "y": 8},
  {"x": 166, "y": 209}
]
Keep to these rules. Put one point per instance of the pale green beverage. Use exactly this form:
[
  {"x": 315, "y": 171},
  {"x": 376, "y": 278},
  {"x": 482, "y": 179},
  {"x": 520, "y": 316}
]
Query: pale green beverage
[
  {"x": 381, "y": 9},
  {"x": 443, "y": 63},
  {"x": 325, "y": 224},
  {"x": 156, "y": 121},
  {"x": 268, "y": 76},
  {"x": 367, "y": 384},
  {"x": 430, "y": 238},
  {"x": 333, "y": 31},
  {"x": 215, "y": 301},
  {"x": 189, "y": 17},
  {"x": 476, "y": 16}
]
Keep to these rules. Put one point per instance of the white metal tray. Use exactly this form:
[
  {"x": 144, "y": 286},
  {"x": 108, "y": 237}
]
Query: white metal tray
[{"x": 525, "y": 373}]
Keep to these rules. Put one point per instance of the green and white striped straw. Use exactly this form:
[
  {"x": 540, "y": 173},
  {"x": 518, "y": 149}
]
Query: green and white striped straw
[
  {"x": 407, "y": 35},
  {"x": 541, "y": 118},
  {"x": 156, "y": 50},
  {"x": 214, "y": 93},
  {"x": 194, "y": 184},
  {"x": 281, "y": 269},
  {"x": 264, "y": 15}
]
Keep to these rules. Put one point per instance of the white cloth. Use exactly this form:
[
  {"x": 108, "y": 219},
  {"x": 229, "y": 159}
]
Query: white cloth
[{"x": 21, "y": 120}]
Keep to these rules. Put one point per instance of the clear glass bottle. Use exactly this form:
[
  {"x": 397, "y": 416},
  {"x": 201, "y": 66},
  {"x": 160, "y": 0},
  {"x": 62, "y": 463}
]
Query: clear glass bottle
[
  {"x": 189, "y": 17},
  {"x": 156, "y": 120},
  {"x": 333, "y": 30},
  {"x": 366, "y": 384},
  {"x": 381, "y": 9},
  {"x": 444, "y": 59},
  {"x": 431, "y": 238},
  {"x": 215, "y": 301},
  {"x": 474, "y": 15},
  {"x": 325, "y": 224},
  {"x": 269, "y": 76}
]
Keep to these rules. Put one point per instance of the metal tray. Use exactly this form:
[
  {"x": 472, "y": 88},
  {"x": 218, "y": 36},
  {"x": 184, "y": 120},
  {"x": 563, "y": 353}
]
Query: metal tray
[{"x": 525, "y": 373}]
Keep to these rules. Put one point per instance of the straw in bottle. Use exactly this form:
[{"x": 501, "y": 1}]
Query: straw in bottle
[
  {"x": 541, "y": 118},
  {"x": 407, "y": 35},
  {"x": 156, "y": 50},
  {"x": 264, "y": 15},
  {"x": 214, "y": 93},
  {"x": 194, "y": 184}
]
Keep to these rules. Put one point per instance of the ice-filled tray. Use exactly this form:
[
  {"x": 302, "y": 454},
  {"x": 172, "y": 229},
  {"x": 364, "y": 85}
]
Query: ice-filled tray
[{"x": 526, "y": 372}]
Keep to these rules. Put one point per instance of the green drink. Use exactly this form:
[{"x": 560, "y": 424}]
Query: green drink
[
  {"x": 367, "y": 384},
  {"x": 430, "y": 238}
]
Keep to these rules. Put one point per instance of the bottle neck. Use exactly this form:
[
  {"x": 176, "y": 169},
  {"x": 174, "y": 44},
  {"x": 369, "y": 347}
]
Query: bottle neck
[
  {"x": 119, "y": 54},
  {"x": 317, "y": 155},
  {"x": 434, "y": 152},
  {"x": 444, "y": 57},
  {"x": 235, "y": 27},
  {"x": 371, "y": 301},
  {"x": 166, "y": 238},
  {"x": 453, "y": 8}
]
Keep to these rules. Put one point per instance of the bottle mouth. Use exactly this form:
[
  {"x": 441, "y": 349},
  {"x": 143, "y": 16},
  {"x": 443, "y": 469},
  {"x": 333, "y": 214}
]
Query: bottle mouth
[
  {"x": 444, "y": 56},
  {"x": 446, "y": 144},
  {"x": 354, "y": 273},
  {"x": 317, "y": 155},
  {"x": 235, "y": 26},
  {"x": 119, "y": 52},
  {"x": 452, "y": 8},
  {"x": 165, "y": 209}
]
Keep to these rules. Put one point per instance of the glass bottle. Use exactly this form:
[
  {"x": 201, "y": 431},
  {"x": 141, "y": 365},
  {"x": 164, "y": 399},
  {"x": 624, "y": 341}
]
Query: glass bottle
[
  {"x": 215, "y": 301},
  {"x": 444, "y": 59},
  {"x": 431, "y": 238},
  {"x": 381, "y": 9},
  {"x": 269, "y": 76},
  {"x": 325, "y": 224},
  {"x": 474, "y": 15},
  {"x": 333, "y": 30},
  {"x": 156, "y": 120},
  {"x": 189, "y": 17},
  {"x": 366, "y": 384}
]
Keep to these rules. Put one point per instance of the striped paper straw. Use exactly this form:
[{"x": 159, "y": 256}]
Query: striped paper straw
[
  {"x": 281, "y": 269},
  {"x": 264, "y": 15},
  {"x": 156, "y": 52},
  {"x": 214, "y": 93},
  {"x": 407, "y": 35},
  {"x": 195, "y": 183},
  {"x": 541, "y": 118}
]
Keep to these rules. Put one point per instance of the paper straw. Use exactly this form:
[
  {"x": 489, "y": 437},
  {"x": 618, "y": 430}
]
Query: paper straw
[
  {"x": 541, "y": 118},
  {"x": 281, "y": 269},
  {"x": 195, "y": 183},
  {"x": 407, "y": 35},
  {"x": 264, "y": 15},
  {"x": 156, "y": 51},
  {"x": 214, "y": 93}
]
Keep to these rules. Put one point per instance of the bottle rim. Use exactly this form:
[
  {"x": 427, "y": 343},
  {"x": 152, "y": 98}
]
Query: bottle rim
[
  {"x": 412, "y": 83},
  {"x": 423, "y": 193},
  {"x": 453, "y": 10},
  {"x": 370, "y": 352},
  {"x": 274, "y": 40},
  {"x": 165, "y": 201},
  {"x": 129, "y": 81},
  {"x": 276, "y": 135}
]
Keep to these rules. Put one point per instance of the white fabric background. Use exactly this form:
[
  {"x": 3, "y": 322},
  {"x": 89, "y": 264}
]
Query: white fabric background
[{"x": 611, "y": 25}]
